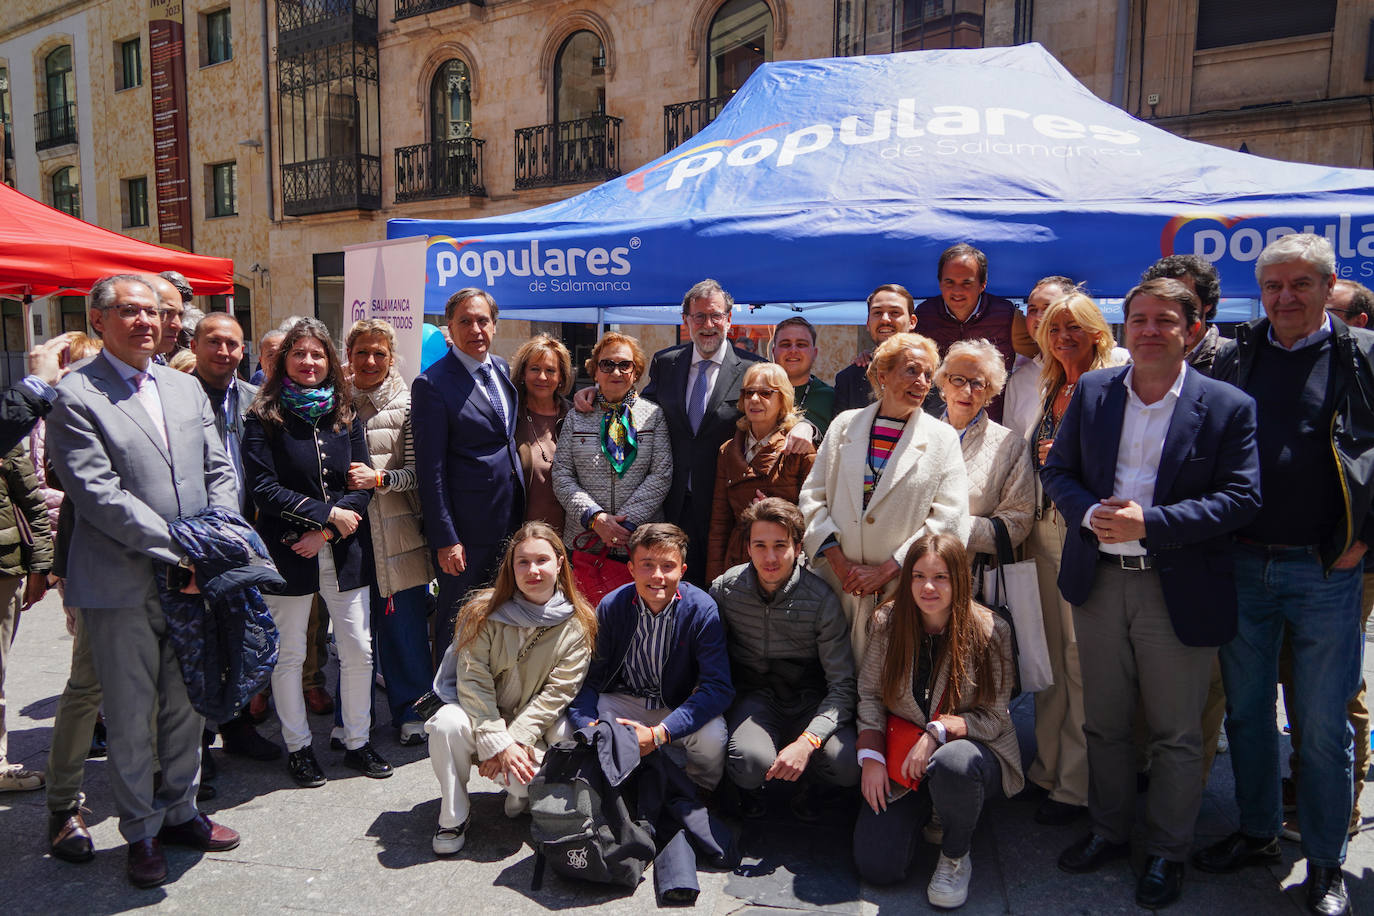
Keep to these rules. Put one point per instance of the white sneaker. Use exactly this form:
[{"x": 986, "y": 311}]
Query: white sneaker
[
  {"x": 934, "y": 831},
  {"x": 448, "y": 840},
  {"x": 412, "y": 734},
  {"x": 14, "y": 778},
  {"x": 948, "y": 887},
  {"x": 516, "y": 805}
]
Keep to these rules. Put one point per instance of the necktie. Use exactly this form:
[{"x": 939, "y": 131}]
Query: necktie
[
  {"x": 145, "y": 392},
  {"x": 492, "y": 394},
  {"x": 696, "y": 403}
]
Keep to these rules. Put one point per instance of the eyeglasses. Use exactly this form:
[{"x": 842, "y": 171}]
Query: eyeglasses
[
  {"x": 130, "y": 312},
  {"x": 165, "y": 313},
  {"x": 1343, "y": 313},
  {"x": 701, "y": 319},
  {"x": 761, "y": 393},
  {"x": 612, "y": 366},
  {"x": 959, "y": 381}
]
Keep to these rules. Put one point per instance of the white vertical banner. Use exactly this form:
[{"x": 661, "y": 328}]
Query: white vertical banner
[{"x": 387, "y": 280}]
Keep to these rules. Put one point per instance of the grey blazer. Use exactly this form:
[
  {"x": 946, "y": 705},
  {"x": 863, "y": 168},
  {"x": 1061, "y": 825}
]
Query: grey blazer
[
  {"x": 124, "y": 485},
  {"x": 583, "y": 479}
]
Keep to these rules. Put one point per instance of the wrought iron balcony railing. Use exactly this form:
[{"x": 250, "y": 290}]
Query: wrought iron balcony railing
[
  {"x": 447, "y": 168},
  {"x": 303, "y": 25},
  {"x": 568, "y": 152},
  {"x": 55, "y": 126},
  {"x": 407, "y": 8},
  {"x": 352, "y": 182},
  {"x": 683, "y": 119}
]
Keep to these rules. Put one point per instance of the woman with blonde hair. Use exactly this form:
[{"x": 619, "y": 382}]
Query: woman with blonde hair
[
  {"x": 885, "y": 475},
  {"x": 401, "y": 556},
  {"x": 941, "y": 665},
  {"x": 520, "y": 651},
  {"x": 614, "y": 465},
  {"x": 1075, "y": 339},
  {"x": 753, "y": 465},
  {"x": 542, "y": 373}
]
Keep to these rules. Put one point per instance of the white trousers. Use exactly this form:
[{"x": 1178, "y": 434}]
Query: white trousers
[
  {"x": 704, "y": 748},
  {"x": 453, "y": 753},
  {"x": 349, "y": 611}
]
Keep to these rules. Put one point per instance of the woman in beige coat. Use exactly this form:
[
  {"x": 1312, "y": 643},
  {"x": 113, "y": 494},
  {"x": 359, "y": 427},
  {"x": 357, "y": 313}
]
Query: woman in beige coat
[
  {"x": 518, "y": 658},
  {"x": 1000, "y": 481},
  {"x": 941, "y": 663},
  {"x": 885, "y": 475},
  {"x": 399, "y": 607}
]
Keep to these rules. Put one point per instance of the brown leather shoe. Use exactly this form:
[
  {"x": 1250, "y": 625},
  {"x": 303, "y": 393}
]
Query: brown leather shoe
[
  {"x": 257, "y": 707},
  {"x": 68, "y": 837},
  {"x": 199, "y": 833},
  {"x": 147, "y": 865},
  {"x": 318, "y": 701}
]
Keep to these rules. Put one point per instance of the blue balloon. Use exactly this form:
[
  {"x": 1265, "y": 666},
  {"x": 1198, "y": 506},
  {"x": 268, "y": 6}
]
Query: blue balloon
[{"x": 432, "y": 346}]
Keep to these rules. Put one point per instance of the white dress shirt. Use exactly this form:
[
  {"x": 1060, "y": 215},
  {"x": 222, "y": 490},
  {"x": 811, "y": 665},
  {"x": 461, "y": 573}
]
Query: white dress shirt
[
  {"x": 1143, "y": 428},
  {"x": 147, "y": 395},
  {"x": 472, "y": 365},
  {"x": 708, "y": 364}
]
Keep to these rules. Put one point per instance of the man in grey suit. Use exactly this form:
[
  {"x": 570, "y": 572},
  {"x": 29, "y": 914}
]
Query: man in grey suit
[{"x": 135, "y": 447}]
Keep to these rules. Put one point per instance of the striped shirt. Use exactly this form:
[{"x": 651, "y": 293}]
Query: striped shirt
[
  {"x": 881, "y": 441},
  {"x": 642, "y": 674}
]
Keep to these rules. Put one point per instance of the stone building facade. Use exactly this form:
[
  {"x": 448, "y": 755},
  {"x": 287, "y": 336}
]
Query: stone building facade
[{"x": 340, "y": 115}]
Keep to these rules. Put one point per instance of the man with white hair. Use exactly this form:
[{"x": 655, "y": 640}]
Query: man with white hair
[{"x": 1298, "y": 563}]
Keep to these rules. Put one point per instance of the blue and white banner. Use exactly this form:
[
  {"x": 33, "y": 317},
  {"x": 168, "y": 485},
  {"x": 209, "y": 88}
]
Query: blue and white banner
[{"x": 824, "y": 178}]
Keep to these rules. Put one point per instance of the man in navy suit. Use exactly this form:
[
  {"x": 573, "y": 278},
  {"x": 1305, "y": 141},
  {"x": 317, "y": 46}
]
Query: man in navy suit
[
  {"x": 463, "y": 416},
  {"x": 697, "y": 385},
  {"x": 1159, "y": 464}
]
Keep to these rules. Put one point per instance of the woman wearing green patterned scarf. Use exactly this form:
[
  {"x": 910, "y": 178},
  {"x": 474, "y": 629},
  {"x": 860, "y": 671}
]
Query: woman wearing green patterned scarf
[{"x": 613, "y": 465}]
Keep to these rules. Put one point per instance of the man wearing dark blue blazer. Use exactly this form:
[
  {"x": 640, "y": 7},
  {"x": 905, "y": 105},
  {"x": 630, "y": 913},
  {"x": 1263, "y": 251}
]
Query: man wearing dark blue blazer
[
  {"x": 463, "y": 412},
  {"x": 1159, "y": 465},
  {"x": 697, "y": 386}
]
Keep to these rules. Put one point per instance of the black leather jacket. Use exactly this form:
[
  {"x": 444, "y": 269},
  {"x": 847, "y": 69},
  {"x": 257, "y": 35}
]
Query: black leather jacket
[{"x": 1352, "y": 425}]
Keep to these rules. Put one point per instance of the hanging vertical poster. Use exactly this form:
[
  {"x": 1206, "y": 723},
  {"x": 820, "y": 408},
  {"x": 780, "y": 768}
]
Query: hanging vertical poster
[{"x": 171, "y": 150}]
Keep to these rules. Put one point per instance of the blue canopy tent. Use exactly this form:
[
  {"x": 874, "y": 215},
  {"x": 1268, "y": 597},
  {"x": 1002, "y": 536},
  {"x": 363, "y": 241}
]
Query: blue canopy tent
[{"x": 823, "y": 178}]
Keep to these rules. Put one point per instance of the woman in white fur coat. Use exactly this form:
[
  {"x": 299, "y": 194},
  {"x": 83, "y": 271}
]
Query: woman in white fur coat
[{"x": 885, "y": 475}]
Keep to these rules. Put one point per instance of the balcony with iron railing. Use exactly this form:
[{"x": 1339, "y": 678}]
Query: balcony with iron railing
[
  {"x": 55, "y": 127},
  {"x": 568, "y": 152},
  {"x": 445, "y": 168},
  {"x": 304, "y": 25},
  {"x": 407, "y": 8},
  {"x": 684, "y": 119},
  {"x": 351, "y": 182}
]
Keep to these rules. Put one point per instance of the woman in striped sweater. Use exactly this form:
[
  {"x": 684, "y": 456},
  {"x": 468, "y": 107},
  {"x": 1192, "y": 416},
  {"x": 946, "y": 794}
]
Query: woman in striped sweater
[{"x": 885, "y": 475}]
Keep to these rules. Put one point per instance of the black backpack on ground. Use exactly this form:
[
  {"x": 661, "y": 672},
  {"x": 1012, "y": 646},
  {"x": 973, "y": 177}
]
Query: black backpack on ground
[{"x": 581, "y": 824}]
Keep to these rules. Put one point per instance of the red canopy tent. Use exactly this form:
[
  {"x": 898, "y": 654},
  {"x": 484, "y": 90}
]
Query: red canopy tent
[{"x": 45, "y": 251}]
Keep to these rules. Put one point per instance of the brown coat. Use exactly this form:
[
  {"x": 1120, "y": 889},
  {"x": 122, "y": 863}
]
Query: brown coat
[{"x": 771, "y": 472}]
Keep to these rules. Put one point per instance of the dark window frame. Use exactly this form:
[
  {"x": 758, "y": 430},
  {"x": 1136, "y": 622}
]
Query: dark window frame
[
  {"x": 1226, "y": 23},
  {"x": 219, "y": 36},
  {"x": 67, "y": 198},
  {"x": 223, "y": 197},
  {"x": 136, "y": 202},
  {"x": 130, "y": 70}
]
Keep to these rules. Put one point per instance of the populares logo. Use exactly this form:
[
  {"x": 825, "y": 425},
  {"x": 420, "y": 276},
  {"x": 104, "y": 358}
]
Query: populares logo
[
  {"x": 1215, "y": 235},
  {"x": 452, "y": 258},
  {"x": 900, "y": 123}
]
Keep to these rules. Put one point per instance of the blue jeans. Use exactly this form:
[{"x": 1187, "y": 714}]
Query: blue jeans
[
  {"x": 1280, "y": 589},
  {"x": 401, "y": 651}
]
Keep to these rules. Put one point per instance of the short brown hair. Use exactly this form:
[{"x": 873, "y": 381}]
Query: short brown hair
[
  {"x": 897, "y": 288},
  {"x": 658, "y": 534},
  {"x": 958, "y": 253},
  {"x": 538, "y": 345},
  {"x": 796, "y": 321},
  {"x": 466, "y": 293},
  {"x": 1168, "y": 290},
  {"x": 777, "y": 510},
  {"x": 613, "y": 337}
]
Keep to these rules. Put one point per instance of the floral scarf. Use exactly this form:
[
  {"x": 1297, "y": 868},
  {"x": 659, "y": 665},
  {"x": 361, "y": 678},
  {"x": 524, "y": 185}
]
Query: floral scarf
[
  {"x": 619, "y": 440},
  {"x": 307, "y": 403}
]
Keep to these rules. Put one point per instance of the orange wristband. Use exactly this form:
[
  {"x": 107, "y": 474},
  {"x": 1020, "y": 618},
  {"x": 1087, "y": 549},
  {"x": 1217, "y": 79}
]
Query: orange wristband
[
  {"x": 379, "y": 478},
  {"x": 812, "y": 740}
]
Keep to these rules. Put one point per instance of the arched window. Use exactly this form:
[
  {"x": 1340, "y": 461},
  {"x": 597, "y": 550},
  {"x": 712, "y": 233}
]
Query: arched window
[
  {"x": 450, "y": 102},
  {"x": 61, "y": 84},
  {"x": 66, "y": 196},
  {"x": 739, "y": 39},
  {"x": 579, "y": 78}
]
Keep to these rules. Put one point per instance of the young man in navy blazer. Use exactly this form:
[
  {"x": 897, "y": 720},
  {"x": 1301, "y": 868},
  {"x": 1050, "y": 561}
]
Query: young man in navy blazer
[
  {"x": 1159, "y": 465},
  {"x": 463, "y": 411}
]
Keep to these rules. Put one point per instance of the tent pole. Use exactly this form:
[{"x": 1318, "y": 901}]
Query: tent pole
[
  {"x": 27, "y": 312},
  {"x": 600, "y": 322}
]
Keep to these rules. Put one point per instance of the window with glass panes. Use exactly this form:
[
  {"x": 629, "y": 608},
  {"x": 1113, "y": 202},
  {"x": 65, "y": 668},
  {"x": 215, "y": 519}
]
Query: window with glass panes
[
  {"x": 71, "y": 312},
  {"x": 224, "y": 194},
  {"x": 66, "y": 195},
  {"x": 218, "y": 41},
  {"x": 130, "y": 63},
  {"x": 136, "y": 202}
]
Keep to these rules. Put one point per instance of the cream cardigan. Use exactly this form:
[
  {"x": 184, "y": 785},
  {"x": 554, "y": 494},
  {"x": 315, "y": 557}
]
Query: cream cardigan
[{"x": 923, "y": 490}]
